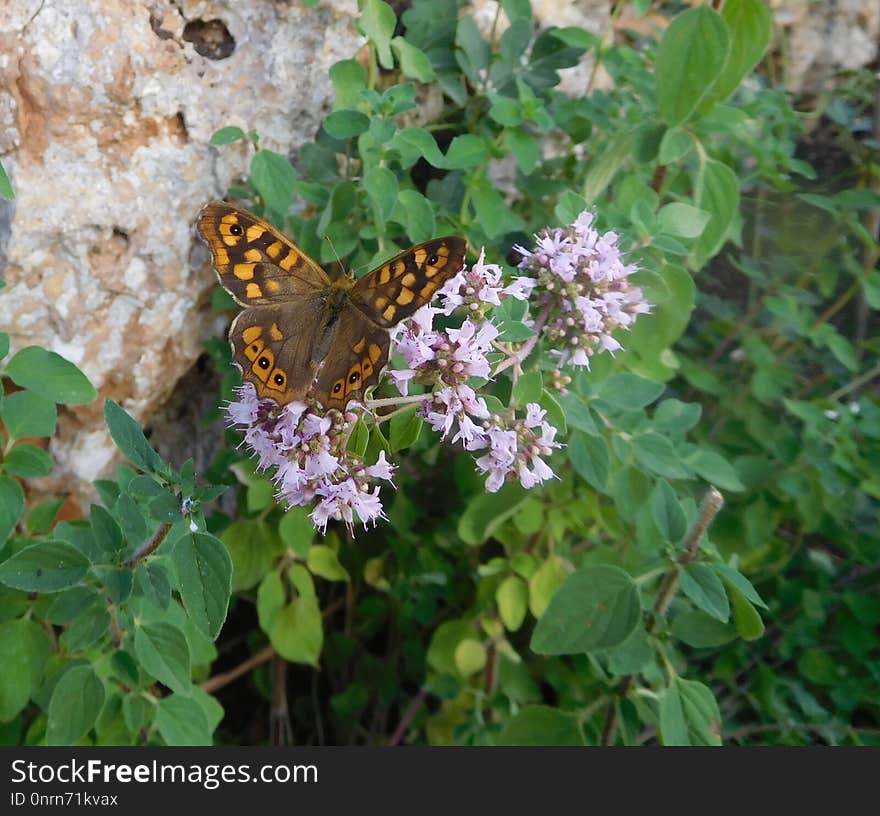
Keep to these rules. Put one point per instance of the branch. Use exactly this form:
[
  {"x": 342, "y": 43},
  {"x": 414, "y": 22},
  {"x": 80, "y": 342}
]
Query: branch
[{"x": 709, "y": 507}]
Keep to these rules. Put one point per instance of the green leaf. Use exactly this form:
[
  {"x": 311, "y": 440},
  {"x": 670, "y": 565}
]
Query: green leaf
[
  {"x": 5, "y": 185},
  {"x": 11, "y": 507},
  {"x": 683, "y": 220},
  {"x": 28, "y": 414},
  {"x": 590, "y": 458},
  {"x": 163, "y": 653},
  {"x": 746, "y": 619},
  {"x": 629, "y": 391},
  {"x": 349, "y": 78},
  {"x": 699, "y": 630},
  {"x": 297, "y": 531},
  {"x": 382, "y": 187},
  {"x": 543, "y": 726},
  {"x": 657, "y": 454},
  {"x": 273, "y": 178},
  {"x": 4, "y": 343},
  {"x": 603, "y": 169},
  {"x": 466, "y": 151},
  {"x": 28, "y": 461},
  {"x": 404, "y": 431},
  {"x": 323, "y": 561},
  {"x": 420, "y": 142},
  {"x": 130, "y": 439},
  {"x": 253, "y": 546},
  {"x": 717, "y": 194},
  {"x": 667, "y": 512},
  {"x": 524, "y": 148},
  {"x": 690, "y": 58},
  {"x": 555, "y": 414},
  {"x": 346, "y": 124},
  {"x": 736, "y": 579},
  {"x": 506, "y": 111},
  {"x": 377, "y": 21},
  {"x": 227, "y": 135},
  {"x": 86, "y": 629},
  {"x": 596, "y": 608},
  {"x": 543, "y": 584},
  {"x": 295, "y": 629},
  {"x": 470, "y": 657},
  {"x": 494, "y": 215},
  {"x": 152, "y": 581},
  {"x": 512, "y": 597},
  {"x": 25, "y": 649},
  {"x": 41, "y": 518},
  {"x": 413, "y": 62},
  {"x": 204, "y": 569},
  {"x": 486, "y": 511},
  {"x": 46, "y": 566},
  {"x": 751, "y": 29},
  {"x": 715, "y": 469},
  {"x": 528, "y": 388},
  {"x": 473, "y": 52},
  {"x": 416, "y": 214},
  {"x": 182, "y": 721},
  {"x": 108, "y": 533},
  {"x": 674, "y": 146},
  {"x": 74, "y": 706},
  {"x": 51, "y": 376},
  {"x": 689, "y": 714},
  {"x": 704, "y": 588}
]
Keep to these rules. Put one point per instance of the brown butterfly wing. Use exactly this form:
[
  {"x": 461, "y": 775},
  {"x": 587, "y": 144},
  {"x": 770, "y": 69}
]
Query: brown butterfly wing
[
  {"x": 401, "y": 286},
  {"x": 278, "y": 348},
  {"x": 355, "y": 357},
  {"x": 256, "y": 264}
]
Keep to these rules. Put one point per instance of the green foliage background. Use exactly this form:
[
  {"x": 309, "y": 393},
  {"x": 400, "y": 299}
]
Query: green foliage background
[{"x": 599, "y": 608}]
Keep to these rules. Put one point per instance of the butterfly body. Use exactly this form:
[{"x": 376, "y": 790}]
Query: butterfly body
[{"x": 302, "y": 332}]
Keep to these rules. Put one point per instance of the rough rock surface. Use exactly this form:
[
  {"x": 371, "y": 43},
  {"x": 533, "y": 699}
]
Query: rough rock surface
[{"x": 106, "y": 109}]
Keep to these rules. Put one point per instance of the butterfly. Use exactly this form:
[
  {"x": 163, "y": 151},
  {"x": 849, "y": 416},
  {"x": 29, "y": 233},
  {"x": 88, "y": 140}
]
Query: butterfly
[{"x": 302, "y": 332}]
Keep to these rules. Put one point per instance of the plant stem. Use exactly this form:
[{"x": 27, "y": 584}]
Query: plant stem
[
  {"x": 409, "y": 715},
  {"x": 381, "y": 403},
  {"x": 709, "y": 507},
  {"x": 151, "y": 546}
]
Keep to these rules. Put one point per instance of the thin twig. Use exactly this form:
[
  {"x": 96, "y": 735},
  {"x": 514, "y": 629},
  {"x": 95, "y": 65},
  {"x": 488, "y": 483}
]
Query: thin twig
[
  {"x": 409, "y": 715},
  {"x": 709, "y": 507},
  {"x": 526, "y": 347},
  {"x": 151, "y": 546},
  {"x": 216, "y": 682}
]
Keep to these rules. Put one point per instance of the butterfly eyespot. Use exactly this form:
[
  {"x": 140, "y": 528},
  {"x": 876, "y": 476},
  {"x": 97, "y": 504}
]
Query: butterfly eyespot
[
  {"x": 433, "y": 260},
  {"x": 236, "y": 229},
  {"x": 263, "y": 362},
  {"x": 337, "y": 388},
  {"x": 354, "y": 377},
  {"x": 279, "y": 379}
]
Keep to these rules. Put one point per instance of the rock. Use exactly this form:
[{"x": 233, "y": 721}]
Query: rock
[{"x": 106, "y": 109}]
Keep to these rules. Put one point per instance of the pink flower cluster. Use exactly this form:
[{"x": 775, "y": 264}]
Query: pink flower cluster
[
  {"x": 308, "y": 448},
  {"x": 585, "y": 287},
  {"x": 446, "y": 360},
  {"x": 514, "y": 445}
]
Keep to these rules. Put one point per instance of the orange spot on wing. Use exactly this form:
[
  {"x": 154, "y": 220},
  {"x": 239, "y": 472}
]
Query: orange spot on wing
[
  {"x": 288, "y": 260},
  {"x": 375, "y": 352},
  {"x": 251, "y": 333},
  {"x": 243, "y": 271},
  {"x": 254, "y": 231},
  {"x": 253, "y": 291},
  {"x": 274, "y": 250},
  {"x": 253, "y": 255},
  {"x": 384, "y": 275},
  {"x": 427, "y": 290},
  {"x": 359, "y": 346},
  {"x": 408, "y": 280},
  {"x": 275, "y": 332},
  {"x": 404, "y": 297},
  {"x": 389, "y": 312},
  {"x": 272, "y": 285},
  {"x": 420, "y": 256}
]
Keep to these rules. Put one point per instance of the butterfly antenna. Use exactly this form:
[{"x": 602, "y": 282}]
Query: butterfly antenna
[{"x": 339, "y": 265}]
